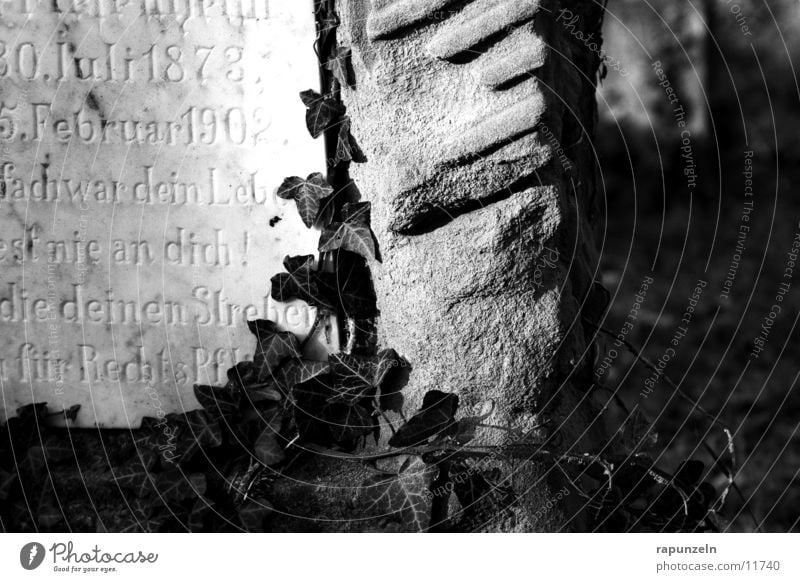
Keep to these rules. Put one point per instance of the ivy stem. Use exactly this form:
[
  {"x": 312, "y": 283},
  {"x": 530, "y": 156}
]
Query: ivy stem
[
  {"x": 317, "y": 321},
  {"x": 352, "y": 330},
  {"x": 439, "y": 503},
  {"x": 523, "y": 450}
]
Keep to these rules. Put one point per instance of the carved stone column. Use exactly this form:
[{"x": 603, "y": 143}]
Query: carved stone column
[{"x": 477, "y": 119}]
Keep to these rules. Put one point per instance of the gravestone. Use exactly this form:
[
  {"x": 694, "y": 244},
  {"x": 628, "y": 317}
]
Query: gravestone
[{"x": 141, "y": 143}]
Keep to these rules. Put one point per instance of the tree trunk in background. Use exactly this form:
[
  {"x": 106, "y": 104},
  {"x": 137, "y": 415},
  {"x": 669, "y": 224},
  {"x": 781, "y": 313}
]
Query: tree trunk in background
[
  {"x": 692, "y": 46},
  {"x": 693, "y": 61},
  {"x": 477, "y": 120}
]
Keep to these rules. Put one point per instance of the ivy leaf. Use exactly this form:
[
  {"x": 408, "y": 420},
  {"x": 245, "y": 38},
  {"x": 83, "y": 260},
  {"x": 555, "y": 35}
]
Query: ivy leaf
[
  {"x": 353, "y": 234},
  {"x": 19, "y": 435},
  {"x": 262, "y": 394},
  {"x": 253, "y": 513},
  {"x": 23, "y": 430},
  {"x": 388, "y": 360},
  {"x": 147, "y": 457},
  {"x": 391, "y": 376},
  {"x": 629, "y": 476},
  {"x": 347, "y": 423},
  {"x": 261, "y": 416},
  {"x": 34, "y": 461},
  {"x": 404, "y": 496},
  {"x": 199, "y": 515},
  {"x": 267, "y": 449},
  {"x": 273, "y": 347},
  {"x": 297, "y": 371},
  {"x": 307, "y": 194},
  {"x": 32, "y": 412},
  {"x": 202, "y": 429},
  {"x": 149, "y": 425},
  {"x": 357, "y": 213},
  {"x": 135, "y": 478},
  {"x": 7, "y": 480},
  {"x": 141, "y": 519},
  {"x": 146, "y": 438},
  {"x": 175, "y": 485},
  {"x": 322, "y": 112},
  {"x": 51, "y": 452},
  {"x": 257, "y": 414},
  {"x": 353, "y": 377},
  {"x": 465, "y": 428},
  {"x": 217, "y": 401},
  {"x": 347, "y": 149},
  {"x": 240, "y": 478},
  {"x": 326, "y": 423},
  {"x": 155, "y": 438},
  {"x": 469, "y": 485},
  {"x": 691, "y": 472},
  {"x": 478, "y": 492},
  {"x": 197, "y": 432},
  {"x": 303, "y": 282},
  {"x": 48, "y": 513},
  {"x": 242, "y": 375},
  {"x": 358, "y": 377},
  {"x": 339, "y": 65},
  {"x": 71, "y": 413},
  {"x": 436, "y": 416}
]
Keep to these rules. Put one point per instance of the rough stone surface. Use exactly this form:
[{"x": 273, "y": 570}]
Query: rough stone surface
[
  {"x": 140, "y": 146},
  {"x": 476, "y": 119}
]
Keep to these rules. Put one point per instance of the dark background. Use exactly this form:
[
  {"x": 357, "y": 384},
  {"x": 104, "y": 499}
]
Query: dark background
[{"x": 741, "y": 93}]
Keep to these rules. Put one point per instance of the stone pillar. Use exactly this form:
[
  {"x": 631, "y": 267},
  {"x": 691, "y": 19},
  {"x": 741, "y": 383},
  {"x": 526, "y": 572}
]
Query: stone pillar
[{"x": 477, "y": 121}]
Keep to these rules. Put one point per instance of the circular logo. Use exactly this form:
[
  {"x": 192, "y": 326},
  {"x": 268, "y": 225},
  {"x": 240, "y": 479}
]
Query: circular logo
[{"x": 31, "y": 555}]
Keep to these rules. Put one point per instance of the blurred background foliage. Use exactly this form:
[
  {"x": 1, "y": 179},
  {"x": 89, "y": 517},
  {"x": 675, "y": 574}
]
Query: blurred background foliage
[{"x": 733, "y": 67}]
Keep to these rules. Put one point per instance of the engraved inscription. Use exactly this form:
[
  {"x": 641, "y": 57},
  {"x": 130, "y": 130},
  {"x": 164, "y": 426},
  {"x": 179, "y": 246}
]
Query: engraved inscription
[{"x": 139, "y": 157}]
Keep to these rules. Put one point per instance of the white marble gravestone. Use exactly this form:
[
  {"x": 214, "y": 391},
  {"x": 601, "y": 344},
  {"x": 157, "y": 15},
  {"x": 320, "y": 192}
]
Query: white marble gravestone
[{"x": 141, "y": 143}]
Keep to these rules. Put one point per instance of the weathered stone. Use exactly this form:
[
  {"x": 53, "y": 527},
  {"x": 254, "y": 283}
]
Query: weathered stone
[
  {"x": 459, "y": 108},
  {"x": 140, "y": 146}
]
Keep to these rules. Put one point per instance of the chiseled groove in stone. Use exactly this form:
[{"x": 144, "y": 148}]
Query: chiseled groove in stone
[
  {"x": 431, "y": 217},
  {"x": 421, "y": 208},
  {"x": 478, "y": 22},
  {"x": 494, "y": 170},
  {"x": 507, "y": 125},
  {"x": 398, "y": 14},
  {"x": 522, "y": 56}
]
